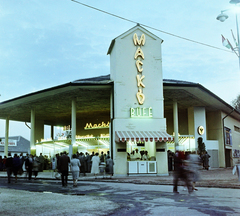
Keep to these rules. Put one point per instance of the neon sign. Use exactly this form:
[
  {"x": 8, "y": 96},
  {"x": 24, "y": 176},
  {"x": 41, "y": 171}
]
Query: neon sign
[
  {"x": 96, "y": 126},
  {"x": 139, "y": 56},
  {"x": 141, "y": 112}
]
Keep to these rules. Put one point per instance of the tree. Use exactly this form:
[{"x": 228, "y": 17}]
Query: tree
[{"x": 236, "y": 103}]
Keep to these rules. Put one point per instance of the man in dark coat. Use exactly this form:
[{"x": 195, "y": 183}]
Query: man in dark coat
[
  {"x": 29, "y": 166},
  {"x": 9, "y": 166},
  {"x": 63, "y": 167}
]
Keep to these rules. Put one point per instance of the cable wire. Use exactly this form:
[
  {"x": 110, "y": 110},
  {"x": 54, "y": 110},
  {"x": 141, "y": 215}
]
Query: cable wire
[{"x": 164, "y": 32}]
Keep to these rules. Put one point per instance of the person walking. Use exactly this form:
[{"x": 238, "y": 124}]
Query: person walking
[
  {"x": 16, "y": 166},
  {"x": 9, "y": 166},
  {"x": 109, "y": 166},
  {"x": 35, "y": 169},
  {"x": 41, "y": 160},
  {"x": 63, "y": 164},
  {"x": 205, "y": 159},
  {"x": 193, "y": 166},
  {"x": 82, "y": 162},
  {"x": 29, "y": 166},
  {"x": 75, "y": 167},
  {"x": 88, "y": 160},
  {"x": 180, "y": 172},
  {"x": 95, "y": 165}
]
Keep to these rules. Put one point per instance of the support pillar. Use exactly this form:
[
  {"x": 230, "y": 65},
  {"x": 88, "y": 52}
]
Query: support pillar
[
  {"x": 175, "y": 123},
  {"x": 74, "y": 125},
  {"x": 32, "y": 136},
  {"x": 6, "y": 137}
]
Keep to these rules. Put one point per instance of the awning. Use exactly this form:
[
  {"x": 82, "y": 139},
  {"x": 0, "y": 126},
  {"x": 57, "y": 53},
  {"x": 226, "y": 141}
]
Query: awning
[{"x": 122, "y": 136}]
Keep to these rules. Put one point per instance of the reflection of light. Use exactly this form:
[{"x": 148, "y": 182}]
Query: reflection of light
[
  {"x": 61, "y": 144},
  {"x": 82, "y": 143},
  {"x": 104, "y": 142}
]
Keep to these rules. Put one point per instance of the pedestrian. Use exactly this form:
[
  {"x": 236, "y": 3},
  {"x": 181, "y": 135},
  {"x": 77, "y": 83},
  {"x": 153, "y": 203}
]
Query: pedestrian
[
  {"x": 64, "y": 161},
  {"x": 29, "y": 166},
  {"x": 102, "y": 157},
  {"x": 41, "y": 160},
  {"x": 22, "y": 162},
  {"x": 95, "y": 165},
  {"x": 1, "y": 163},
  {"x": 82, "y": 162},
  {"x": 88, "y": 160},
  {"x": 9, "y": 166},
  {"x": 109, "y": 166},
  {"x": 16, "y": 166},
  {"x": 193, "y": 165},
  {"x": 36, "y": 165},
  {"x": 205, "y": 159},
  {"x": 75, "y": 167},
  {"x": 4, "y": 162},
  {"x": 180, "y": 172}
]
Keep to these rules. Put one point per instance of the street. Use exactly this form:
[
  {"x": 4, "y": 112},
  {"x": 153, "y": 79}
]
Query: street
[{"x": 48, "y": 197}]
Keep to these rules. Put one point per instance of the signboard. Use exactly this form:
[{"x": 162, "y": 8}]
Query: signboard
[
  {"x": 228, "y": 136},
  {"x": 10, "y": 142}
]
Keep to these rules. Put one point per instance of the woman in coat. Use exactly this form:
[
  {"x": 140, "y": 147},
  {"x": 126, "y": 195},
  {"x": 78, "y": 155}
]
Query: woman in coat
[
  {"x": 16, "y": 165},
  {"x": 109, "y": 166},
  {"x": 75, "y": 167},
  {"x": 95, "y": 164},
  {"x": 36, "y": 165}
]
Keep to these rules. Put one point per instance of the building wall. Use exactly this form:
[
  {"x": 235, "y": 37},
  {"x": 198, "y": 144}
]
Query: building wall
[{"x": 125, "y": 74}]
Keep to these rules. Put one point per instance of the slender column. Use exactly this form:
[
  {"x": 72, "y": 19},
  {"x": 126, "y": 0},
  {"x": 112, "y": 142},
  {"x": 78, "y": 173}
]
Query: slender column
[
  {"x": 6, "y": 137},
  {"x": 73, "y": 124},
  {"x": 32, "y": 136},
  {"x": 52, "y": 132},
  {"x": 175, "y": 122}
]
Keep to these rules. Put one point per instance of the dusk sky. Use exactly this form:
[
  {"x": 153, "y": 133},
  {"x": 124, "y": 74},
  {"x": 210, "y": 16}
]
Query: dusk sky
[{"x": 45, "y": 43}]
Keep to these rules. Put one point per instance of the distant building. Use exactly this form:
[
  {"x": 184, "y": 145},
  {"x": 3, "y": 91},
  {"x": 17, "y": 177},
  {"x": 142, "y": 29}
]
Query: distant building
[{"x": 16, "y": 144}]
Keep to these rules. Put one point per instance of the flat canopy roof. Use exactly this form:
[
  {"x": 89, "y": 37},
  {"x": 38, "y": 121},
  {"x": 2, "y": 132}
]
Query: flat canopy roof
[{"x": 53, "y": 105}]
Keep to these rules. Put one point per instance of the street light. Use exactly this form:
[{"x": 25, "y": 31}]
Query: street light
[{"x": 222, "y": 17}]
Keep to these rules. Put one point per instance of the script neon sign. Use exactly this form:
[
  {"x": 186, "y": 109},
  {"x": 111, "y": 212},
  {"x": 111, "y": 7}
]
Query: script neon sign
[{"x": 96, "y": 126}]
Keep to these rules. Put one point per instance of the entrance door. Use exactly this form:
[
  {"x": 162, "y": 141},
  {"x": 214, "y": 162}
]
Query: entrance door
[{"x": 228, "y": 157}]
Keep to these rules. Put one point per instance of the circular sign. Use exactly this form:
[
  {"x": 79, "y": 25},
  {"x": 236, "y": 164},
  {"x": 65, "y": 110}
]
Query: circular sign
[{"x": 200, "y": 130}]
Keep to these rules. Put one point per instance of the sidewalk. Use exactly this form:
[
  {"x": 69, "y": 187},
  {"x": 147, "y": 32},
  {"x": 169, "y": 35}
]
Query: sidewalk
[{"x": 217, "y": 177}]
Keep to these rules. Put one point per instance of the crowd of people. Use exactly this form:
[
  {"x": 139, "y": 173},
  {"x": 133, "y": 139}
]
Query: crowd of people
[
  {"x": 136, "y": 155},
  {"x": 61, "y": 163},
  {"x": 83, "y": 163}
]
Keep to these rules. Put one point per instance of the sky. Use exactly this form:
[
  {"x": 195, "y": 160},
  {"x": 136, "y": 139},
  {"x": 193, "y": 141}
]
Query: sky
[{"x": 48, "y": 43}]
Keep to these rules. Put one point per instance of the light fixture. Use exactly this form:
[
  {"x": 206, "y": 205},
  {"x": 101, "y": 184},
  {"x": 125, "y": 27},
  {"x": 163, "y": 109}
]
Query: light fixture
[{"x": 222, "y": 17}]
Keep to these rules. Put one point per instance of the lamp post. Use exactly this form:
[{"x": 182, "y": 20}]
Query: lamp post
[{"x": 222, "y": 17}]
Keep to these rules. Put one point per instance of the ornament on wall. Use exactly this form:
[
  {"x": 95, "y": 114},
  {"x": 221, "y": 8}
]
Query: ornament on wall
[{"x": 200, "y": 130}]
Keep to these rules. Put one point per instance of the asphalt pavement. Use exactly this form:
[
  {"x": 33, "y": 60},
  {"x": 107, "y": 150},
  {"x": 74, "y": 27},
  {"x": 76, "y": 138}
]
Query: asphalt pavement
[{"x": 216, "y": 177}]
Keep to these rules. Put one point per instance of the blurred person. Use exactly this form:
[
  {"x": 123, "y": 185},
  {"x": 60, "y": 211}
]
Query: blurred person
[
  {"x": 16, "y": 166},
  {"x": 109, "y": 166},
  {"x": 180, "y": 172},
  {"x": 82, "y": 163},
  {"x": 63, "y": 167},
  {"x": 41, "y": 161},
  {"x": 9, "y": 166},
  {"x": 137, "y": 155},
  {"x": 102, "y": 157},
  {"x": 145, "y": 156},
  {"x": 36, "y": 165},
  {"x": 4, "y": 162},
  {"x": 95, "y": 165},
  {"x": 29, "y": 166},
  {"x": 205, "y": 159},
  {"x": 88, "y": 159},
  {"x": 1, "y": 163},
  {"x": 75, "y": 167},
  {"x": 194, "y": 166}
]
